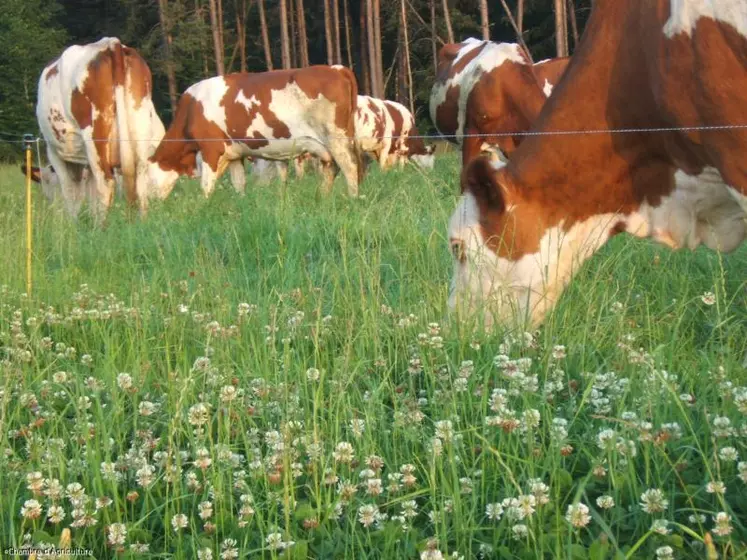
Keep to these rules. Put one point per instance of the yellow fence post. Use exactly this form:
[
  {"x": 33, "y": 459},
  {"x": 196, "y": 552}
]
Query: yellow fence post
[{"x": 27, "y": 139}]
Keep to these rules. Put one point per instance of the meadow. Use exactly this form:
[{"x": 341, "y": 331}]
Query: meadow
[{"x": 275, "y": 376}]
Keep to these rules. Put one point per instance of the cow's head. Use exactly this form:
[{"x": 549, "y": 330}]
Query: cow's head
[
  {"x": 46, "y": 177},
  {"x": 512, "y": 257},
  {"x": 163, "y": 177},
  {"x": 419, "y": 153}
]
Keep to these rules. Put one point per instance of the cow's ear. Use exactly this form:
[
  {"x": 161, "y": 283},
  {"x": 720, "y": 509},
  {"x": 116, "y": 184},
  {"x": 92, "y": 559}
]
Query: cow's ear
[
  {"x": 35, "y": 173},
  {"x": 479, "y": 179}
]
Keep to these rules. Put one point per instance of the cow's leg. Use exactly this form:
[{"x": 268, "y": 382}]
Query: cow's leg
[
  {"x": 102, "y": 180},
  {"x": 282, "y": 170},
  {"x": 347, "y": 159},
  {"x": 329, "y": 172},
  {"x": 238, "y": 176},
  {"x": 299, "y": 165},
  {"x": 73, "y": 190}
]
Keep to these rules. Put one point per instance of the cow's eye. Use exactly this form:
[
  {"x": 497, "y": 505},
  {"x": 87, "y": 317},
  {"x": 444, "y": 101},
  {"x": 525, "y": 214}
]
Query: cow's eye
[{"x": 457, "y": 249}]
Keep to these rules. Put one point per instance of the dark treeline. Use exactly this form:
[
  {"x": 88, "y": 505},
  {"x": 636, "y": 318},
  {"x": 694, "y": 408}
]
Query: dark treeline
[{"x": 390, "y": 44}]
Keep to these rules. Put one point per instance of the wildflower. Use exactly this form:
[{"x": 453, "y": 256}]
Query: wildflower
[
  {"x": 145, "y": 475},
  {"x": 494, "y": 511},
  {"x": 409, "y": 509},
  {"x": 31, "y": 509},
  {"x": 728, "y": 454},
  {"x": 368, "y": 514},
  {"x": 228, "y": 549},
  {"x": 147, "y": 408},
  {"x": 199, "y": 414},
  {"x": 722, "y": 521},
  {"x": 716, "y": 487},
  {"x": 742, "y": 466},
  {"x": 179, "y": 521},
  {"x": 55, "y": 514},
  {"x": 35, "y": 482},
  {"x": 59, "y": 377},
  {"x": 540, "y": 491},
  {"x": 124, "y": 381},
  {"x": 143, "y": 548},
  {"x": 519, "y": 531},
  {"x": 697, "y": 518},
  {"x": 228, "y": 393},
  {"x": 343, "y": 452},
  {"x": 664, "y": 553},
  {"x": 708, "y": 298},
  {"x": 205, "y": 554},
  {"x": 605, "y": 502},
  {"x": 373, "y": 487},
  {"x": 103, "y": 502},
  {"x": 205, "y": 510},
  {"x": 653, "y": 501},
  {"x": 357, "y": 426},
  {"x": 616, "y": 307},
  {"x": 558, "y": 352},
  {"x": 578, "y": 515},
  {"x": 444, "y": 430},
  {"x": 116, "y": 534},
  {"x": 431, "y": 551},
  {"x": 660, "y": 526},
  {"x": 313, "y": 374}
]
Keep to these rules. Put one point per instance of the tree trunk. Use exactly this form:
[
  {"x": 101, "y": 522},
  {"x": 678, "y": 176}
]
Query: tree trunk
[
  {"x": 348, "y": 45},
  {"x": 336, "y": 23},
  {"x": 408, "y": 68},
  {"x": 167, "y": 39},
  {"x": 432, "y": 4},
  {"x": 574, "y": 23},
  {"x": 561, "y": 28},
  {"x": 241, "y": 33},
  {"x": 303, "y": 42},
  {"x": 221, "y": 34},
  {"x": 520, "y": 16},
  {"x": 293, "y": 36},
  {"x": 484, "y": 21},
  {"x": 328, "y": 33},
  {"x": 265, "y": 35},
  {"x": 215, "y": 28},
  {"x": 377, "y": 38},
  {"x": 365, "y": 83},
  {"x": 447, "y": 17},
  {"x": 284, "y": 40},
  {"x": 371, "y": 47}
]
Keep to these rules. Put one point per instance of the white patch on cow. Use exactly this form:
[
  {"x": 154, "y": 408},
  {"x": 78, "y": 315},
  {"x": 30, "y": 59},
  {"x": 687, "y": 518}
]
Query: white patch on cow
[
  {"x": 684, "y": 15},
  {"x": 547, "y": 88},
  {"x": 523, "y": 290},
  {"x": 491, "y": 57},
  {"x": 210, "y": 93},
  {"x": 366, "y": 121},
  {"x": 700, "y": 210}
]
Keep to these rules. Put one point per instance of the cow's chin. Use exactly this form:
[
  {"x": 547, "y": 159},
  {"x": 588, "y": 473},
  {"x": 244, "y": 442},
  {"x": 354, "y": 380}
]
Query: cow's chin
[
  {"x": 161, "y": 182},
  {"x": 423, "y": 161}
]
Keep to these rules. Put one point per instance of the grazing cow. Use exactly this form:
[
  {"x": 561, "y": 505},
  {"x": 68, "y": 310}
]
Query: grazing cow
[
  {"x": 484, "y": 88},
  {"x": 97, "y": 118},
  {"x": 385, "y": 129},
  {"x": 275, "y": 115},
  {"x": 522, "y": 229}
]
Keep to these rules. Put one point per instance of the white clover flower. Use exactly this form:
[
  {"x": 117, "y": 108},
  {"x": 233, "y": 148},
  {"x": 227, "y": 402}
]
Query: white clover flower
[
  {"x": 716, "y": 487},
  {"x": 343, "y": 452},
  {"x": 368, "y": 514},
  {"x": 665, "y": 553},
  {"x": 722, "y": 524},
  {"x": 179, "y": 521},
  {"x": 728, "y": 454},
  {"x": 605, "y": 502},
  {"x": 55, "y": 514},
  {"x": 708, "y": 298},
  {"x": 117, "y": 534},
  {"x": 494, "y": 511},
  {"x": 578, "y": 515},
  {"x": 313, "y": 374},
  {"x": 661, "y": 526},
  {"x": 519, "y": 531},
  {"x": 653, "y": 501},
  {"x": 31, "y": 509},
  {"x": 124, "y": 381}
]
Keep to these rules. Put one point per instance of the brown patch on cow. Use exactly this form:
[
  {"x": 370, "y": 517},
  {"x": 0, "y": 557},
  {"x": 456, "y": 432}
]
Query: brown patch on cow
[
  {"x": 456, "y": 68},
  {"x": 57, "y": 124},
  {"x": 379, "y": 119},
  {"x": 552, "y": 70},
  {"x": 53, "y": 71},
  {"x": 689, "y": 80},
  {"x": 140, "y": 80},
  {"x": 415, "y": 145},
  {"x": 398, "y": 121},
  {"x": 447, "y": 113}
]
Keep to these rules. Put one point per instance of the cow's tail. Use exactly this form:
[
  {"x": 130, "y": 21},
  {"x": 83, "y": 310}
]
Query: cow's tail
[
  {"x": 126, "y": 145},
  {"x": 351, "y": 130}
]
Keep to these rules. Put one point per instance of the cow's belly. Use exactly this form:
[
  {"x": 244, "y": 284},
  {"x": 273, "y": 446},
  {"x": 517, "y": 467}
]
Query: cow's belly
[
  {"x": 281, "y": 149},
  {"x": 62, "y": 134}
]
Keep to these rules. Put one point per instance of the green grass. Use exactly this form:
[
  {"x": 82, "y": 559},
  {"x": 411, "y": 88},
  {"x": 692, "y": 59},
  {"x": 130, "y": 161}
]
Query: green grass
[{"x": 356, "y": 289}]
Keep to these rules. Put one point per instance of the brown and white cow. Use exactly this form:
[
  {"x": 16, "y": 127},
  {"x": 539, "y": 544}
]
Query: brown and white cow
[
  {"x": 275, "y": 115},
  {"x": 386, "y": 130},
  {"x": 523, "y": 228},
  {"x": 484, "y": 89},
  {"x": 98, "y": 121}
]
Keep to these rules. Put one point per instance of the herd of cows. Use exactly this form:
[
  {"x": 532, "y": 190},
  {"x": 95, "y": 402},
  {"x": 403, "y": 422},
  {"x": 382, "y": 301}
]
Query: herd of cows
[{"x": 643, "y": 130}]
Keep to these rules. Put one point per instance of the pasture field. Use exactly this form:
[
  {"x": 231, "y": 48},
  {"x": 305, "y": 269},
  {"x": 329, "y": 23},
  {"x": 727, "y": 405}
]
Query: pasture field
[{"x": 274, "y": 376}]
